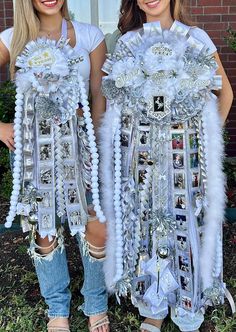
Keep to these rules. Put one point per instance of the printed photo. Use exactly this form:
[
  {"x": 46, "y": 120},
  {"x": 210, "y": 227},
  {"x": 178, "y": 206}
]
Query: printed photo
[
  {"x": 46, "y": 221},
  {"x": 45, "y": 152},
  {"x": 144, "y": 137},
  {"x": 181, "y": 242},
  {"x": 74, "y": 218},
  {"x": 140, "y": 285},
  {"x": 180, "y": 201},
  {"x": 186, "y": 303},
  {"x": 46, "y": 199},
  {"x": 185, "y": 283},
  {"x": 193, "y": 141},
  {"x": 195, "y": 179},
  {"x": 194, "y": 160},
  {"x": 177, "y": 141},
  {"x": 67, "y": 150},
  {"x": 178, "y": 160},
  {"x": 125, "y": 140},
  {"x": 72, "y": 196},
  {"x": 184, "y": 263},
  {"x": 65, "y": 129},
  {"x": 159, "y": 104},
  {"x": 45, "y": 128},
  {"x": 181, "y": 222},
  {"x": 142, "y": 176},
  {"x": 126, "y": 121},
  {"x": 179, "y": 180},
  {"x": 69, "y": 172},
  {"x": 46, "y": 176}
]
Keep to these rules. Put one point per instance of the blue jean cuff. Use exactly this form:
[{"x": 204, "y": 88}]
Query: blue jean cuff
[
  {"x": 58, "y": 315},
  {"x": 93, "y": 313}
]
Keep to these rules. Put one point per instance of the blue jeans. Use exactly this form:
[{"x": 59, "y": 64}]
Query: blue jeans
[{"x": 54, "y": 281}]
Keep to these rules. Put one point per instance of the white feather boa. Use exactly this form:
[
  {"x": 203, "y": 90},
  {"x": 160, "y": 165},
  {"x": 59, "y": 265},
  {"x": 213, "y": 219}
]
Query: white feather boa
[
  {"x": 106, "y": 136},
  {"x": 214, "y": 216}
]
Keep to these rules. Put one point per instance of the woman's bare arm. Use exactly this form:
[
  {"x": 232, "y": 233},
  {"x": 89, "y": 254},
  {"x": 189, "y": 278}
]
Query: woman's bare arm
[
  {"x": 225, "y": 95},
  {"x": 6, "y": 129},
  {"x": 97, "y": 58}
]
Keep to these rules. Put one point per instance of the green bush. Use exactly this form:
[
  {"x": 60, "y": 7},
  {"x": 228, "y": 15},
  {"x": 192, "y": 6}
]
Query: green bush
[
  {"x": 7, "y": 109},
  {"x": 231, "y": 39}
]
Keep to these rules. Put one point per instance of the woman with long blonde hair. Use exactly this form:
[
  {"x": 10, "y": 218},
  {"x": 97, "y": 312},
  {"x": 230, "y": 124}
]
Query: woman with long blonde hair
[
  {"x": 50, "y": 20},
  {"x": 159, "y": 85}
]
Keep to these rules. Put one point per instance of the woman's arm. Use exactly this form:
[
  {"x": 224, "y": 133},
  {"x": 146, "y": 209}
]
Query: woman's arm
[
  {"x": 225, "y": 95},
  {"x": 97, "y": 58},
  {"x": 6, "y": 129}
]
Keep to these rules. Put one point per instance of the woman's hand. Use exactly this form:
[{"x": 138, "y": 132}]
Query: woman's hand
[{"x": 7, "y": 135}]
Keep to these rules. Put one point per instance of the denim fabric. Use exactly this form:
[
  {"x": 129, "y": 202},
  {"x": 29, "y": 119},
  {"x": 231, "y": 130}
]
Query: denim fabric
[
  {"x": 94, "y": 287},
  {"x": 54, "y": 283}
]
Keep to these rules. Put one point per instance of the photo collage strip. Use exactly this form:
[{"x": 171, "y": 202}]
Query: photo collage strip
[
  {"x": 46, "y": 183},
  {"x": 180, "y": 146}
]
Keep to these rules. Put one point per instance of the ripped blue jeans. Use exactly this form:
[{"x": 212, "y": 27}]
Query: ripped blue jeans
[{"x": 54, "y": 281}]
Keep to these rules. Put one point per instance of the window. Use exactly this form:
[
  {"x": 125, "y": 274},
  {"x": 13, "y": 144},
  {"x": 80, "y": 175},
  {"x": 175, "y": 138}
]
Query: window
[{"x": 103, "y": 13}]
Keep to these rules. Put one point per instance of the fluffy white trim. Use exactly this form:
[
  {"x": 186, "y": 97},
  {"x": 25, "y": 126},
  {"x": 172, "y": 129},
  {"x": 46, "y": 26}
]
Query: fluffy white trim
[
  {"x": 213, "y": 138},
  {"x": 106, "y": 135}
]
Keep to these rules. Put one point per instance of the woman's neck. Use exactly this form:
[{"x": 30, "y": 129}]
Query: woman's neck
[
  {"x": 50, "y": 23},
  {"x": 166, "y": 20}
]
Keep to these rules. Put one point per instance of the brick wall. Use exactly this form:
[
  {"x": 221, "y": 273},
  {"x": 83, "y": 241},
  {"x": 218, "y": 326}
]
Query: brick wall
[
  {"x": 6, "y": 21},
  {"x": 215, "y": 16}
]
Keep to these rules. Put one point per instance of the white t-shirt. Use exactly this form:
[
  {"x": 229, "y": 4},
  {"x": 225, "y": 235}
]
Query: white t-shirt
[
  {"x": 194, "y": 31},
  {"x": 88, "y": 37}
]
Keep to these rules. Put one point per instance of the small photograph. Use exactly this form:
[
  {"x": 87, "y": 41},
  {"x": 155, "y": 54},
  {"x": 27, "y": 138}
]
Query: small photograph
[
  {"x": 141, "y": 176},
  {"x": 45, "y": 128},
  {"x": 178, "y": 160},
  {"x": 181, "y": 242},
  {"x": 46, "y": 199},
  {"x": 46, "y": 221},
  {"x": 193, "y": 141},
  {"x": 45, "y": 152},
  {"x": 177, "y": 141},
  {"x": 74, "y": 218},
  {"x": 67, "y": 150},
  {"x": 72, "y": 196},
  {"x": 144, "y": 137},
  {"x": 179, "y": 180},
  {"x": 46, "y": 176},
  {"x": 140, "y": 285},
  {"x": 69, "y": 172},
  {"x": 126, "y": 121},
  {"x": 180, "y": 201},
  {"x": 181, "y": 222},
  {"x": 185, "y": 283},
  {"x": 195, "y": 179},
  {"x": 186, "y": 302},
  {"x": 177, "y": 126},
  {"x": 159, "y": 104},
  {"x": 194, "y": 160},
  {"x": 144, "y": 158},
  {"x": 65, "y": 129},
  {"x": 125, "y": 140},
  {"x": 184, "y": 263}
]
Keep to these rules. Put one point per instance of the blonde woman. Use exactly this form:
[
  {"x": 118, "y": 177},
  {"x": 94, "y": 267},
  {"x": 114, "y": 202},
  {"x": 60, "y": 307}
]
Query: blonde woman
[{"x": 50, "y": 19}]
